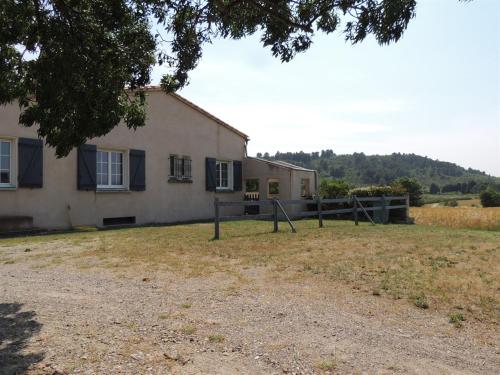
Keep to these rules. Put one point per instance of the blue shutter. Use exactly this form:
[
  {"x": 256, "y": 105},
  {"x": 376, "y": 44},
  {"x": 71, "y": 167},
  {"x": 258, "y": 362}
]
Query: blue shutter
[
  {"x": 237, "y": 175},
  {"x": 86, "y": 167},
  {"x": 30, "y": 162},
  {"x": 210, "y": 172},
  {"x": 137, "y": 162}
]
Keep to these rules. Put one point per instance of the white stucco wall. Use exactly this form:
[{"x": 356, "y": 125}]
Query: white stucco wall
[{"x": 173, "y": 127}]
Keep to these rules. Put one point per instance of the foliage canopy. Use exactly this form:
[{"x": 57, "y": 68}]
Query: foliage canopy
[
  {"x": 359, "y": 169},
  {"x": 71, "y": 63}
]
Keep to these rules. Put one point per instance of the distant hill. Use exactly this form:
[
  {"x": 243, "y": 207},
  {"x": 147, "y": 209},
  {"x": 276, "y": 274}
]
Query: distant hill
[{"x": 359, "y": 169}]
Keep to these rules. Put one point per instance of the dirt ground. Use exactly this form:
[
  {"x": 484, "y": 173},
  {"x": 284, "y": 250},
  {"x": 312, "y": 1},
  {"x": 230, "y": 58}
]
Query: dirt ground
[{"x": 62, "y": 319}]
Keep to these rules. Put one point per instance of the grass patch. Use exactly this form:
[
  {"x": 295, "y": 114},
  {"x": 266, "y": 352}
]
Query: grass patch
[
  {"x": 216, "y": 338},
  {"x": 186, "y": 305},
  {"x": 456, "y": 319},
  {"x": 449, "y": 267},
  {"x": 421, "y": 302},
  {"x": 327, "y": 365},
  {"x": 188, "y": 329}
]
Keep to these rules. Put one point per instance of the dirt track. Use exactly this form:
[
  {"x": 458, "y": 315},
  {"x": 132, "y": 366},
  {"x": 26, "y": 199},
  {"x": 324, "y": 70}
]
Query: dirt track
[{"x": 59, "y": 320}]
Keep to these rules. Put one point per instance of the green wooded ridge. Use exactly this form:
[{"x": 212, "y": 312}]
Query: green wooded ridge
[{"x": 359, "y": 169}]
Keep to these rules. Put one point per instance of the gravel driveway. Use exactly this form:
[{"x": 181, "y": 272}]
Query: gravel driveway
[{"x": 64, "y": 320}]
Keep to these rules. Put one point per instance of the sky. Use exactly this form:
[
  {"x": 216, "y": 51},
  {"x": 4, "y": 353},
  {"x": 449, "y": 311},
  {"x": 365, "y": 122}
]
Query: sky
[{"x": 435, "y": 93}]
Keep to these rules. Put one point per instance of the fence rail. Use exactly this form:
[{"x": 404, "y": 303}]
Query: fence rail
[{"x": 355, "y": 203}]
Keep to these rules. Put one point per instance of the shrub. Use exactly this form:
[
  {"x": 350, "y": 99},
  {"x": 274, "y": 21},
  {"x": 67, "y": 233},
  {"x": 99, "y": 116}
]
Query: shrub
[
  {"x": 421, "y": 301},
  {"x": 434, "y": 189},
  {"x": 490, "y": 198},
  {"x": 333, "y": 188},
  {"x": 456, "y": 318},
  {"x": 412, "y": 187},
  {"x": 451, "y": 203},
  {"x": 376, "y": 191}
]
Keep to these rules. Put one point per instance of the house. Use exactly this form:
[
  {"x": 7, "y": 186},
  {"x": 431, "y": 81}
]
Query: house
[{"x": 165, "y": 172}]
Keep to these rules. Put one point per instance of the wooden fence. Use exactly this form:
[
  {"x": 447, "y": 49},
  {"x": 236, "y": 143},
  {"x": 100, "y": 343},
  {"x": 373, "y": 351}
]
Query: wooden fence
[{"x": 357, "y": 206}]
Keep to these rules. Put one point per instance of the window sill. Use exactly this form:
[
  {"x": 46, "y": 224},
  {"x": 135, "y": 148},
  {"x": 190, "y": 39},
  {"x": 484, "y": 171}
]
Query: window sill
[
  {"x": 176, "y": 180},
  {"x": 224, "y": 191},
  {"x": 8, "y": 187},
  {"x": 112, "y": 190}
]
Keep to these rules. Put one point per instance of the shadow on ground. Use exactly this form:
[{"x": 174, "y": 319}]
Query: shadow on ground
[{"x": 16, "y": 328}]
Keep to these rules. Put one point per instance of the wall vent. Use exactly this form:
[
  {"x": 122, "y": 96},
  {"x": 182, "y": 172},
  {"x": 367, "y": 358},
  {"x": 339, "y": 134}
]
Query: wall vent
[{"x": 125, "y": 220}]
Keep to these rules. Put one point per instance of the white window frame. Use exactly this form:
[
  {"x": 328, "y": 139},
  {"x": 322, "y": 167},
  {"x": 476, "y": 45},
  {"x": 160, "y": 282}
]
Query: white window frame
[
  {"x": 12, "y": 173},
  {"x": 110, "y": 186},
  {"x": 218, "y": 176}
]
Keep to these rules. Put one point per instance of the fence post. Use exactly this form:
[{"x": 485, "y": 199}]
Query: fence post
[
  {"x": 275, "y": 215},
  {"x": 407, "y": 206},
  {"x": 355, "y": 209},
  {"x": 385, "y": 213},
  {"x": 320, "y": 213},
  {"x": 217, "y": 218}
]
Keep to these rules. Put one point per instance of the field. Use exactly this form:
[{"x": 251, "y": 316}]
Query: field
[
  {"x": 447, "y": 197},
  {"x": 409, "y": 298},
  {"x": 464, "y": 216}
]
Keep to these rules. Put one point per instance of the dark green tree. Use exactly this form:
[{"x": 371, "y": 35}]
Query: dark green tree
[
  {"x": 77, "y": 67},
  {"x": 434, "y": 189},
  {"x": 412, "y": 187},
  {"x": 490, "y": 198},
  {"x": 329, "y": 188}
]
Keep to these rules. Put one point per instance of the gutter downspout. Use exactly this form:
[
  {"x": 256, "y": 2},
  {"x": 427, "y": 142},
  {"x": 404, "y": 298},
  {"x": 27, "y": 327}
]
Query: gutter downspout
[{"x": 316, "y": 182}]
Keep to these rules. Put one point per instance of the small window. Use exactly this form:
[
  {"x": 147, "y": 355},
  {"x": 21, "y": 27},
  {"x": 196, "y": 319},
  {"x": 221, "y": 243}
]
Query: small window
[
  {"x": 273, "y": 187},
  {"x": 224, "y": 174},
  {"x": 5, "y": 162},
  {"x": 109, "y": 169},
  {"x": 304, "y": 188},
  {"x": 180, "y": 168},
  {"x": 252, "y": 185}
]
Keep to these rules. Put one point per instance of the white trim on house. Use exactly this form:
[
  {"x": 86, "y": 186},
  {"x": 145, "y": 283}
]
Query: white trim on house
[
  {"x": 12, "y": 184},
  {"x": 110, "y": 174},
  {"x": 224, "y": 182}
]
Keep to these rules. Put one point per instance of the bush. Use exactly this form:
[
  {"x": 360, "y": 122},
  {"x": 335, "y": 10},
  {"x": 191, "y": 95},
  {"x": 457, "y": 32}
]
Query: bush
[
  {"x": 376, "y": 191},
  {"x": 456, "y": 318},
  {"x": 329, "y": 189},
  {"x": 451, "y": 203},
  {"x": 434, "y": 189},
  {"x": 421, "y": 301},
  {"x": 412, "y": 187},
  {"x": 490, "y": 198}
]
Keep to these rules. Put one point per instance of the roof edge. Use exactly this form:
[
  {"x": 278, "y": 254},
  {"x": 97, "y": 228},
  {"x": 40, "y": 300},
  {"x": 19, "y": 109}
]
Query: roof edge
[
  {"x": 284, "y": 165},
  {"x": 198, "y": 109}
]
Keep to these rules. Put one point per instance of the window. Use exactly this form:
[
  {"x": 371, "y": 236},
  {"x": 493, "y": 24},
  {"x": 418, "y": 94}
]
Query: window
[
  {"x": 224, "y": 174},
  {"x": 109, "y": 169},
  {"x": 304, "y": 187},
  {"x": 273, "y": 187},
  {"x": 5, "y": 162},
  {"x": 252, "y": 185},
  {"x": 180, "y": 168}
]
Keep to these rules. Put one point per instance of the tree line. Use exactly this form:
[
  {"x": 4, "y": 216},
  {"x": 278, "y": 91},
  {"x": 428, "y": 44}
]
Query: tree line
[{"x": 359, "y": 169}]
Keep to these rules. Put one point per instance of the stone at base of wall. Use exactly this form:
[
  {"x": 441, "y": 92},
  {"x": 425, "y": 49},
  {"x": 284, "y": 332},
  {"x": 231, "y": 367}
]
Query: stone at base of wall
[{"x": 15, "y": 223}]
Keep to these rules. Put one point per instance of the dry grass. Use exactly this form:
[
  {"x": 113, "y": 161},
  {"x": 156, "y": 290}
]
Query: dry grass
[
  {"x": 449, "y": 269},
  {"x": 458, "y": 217}
]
